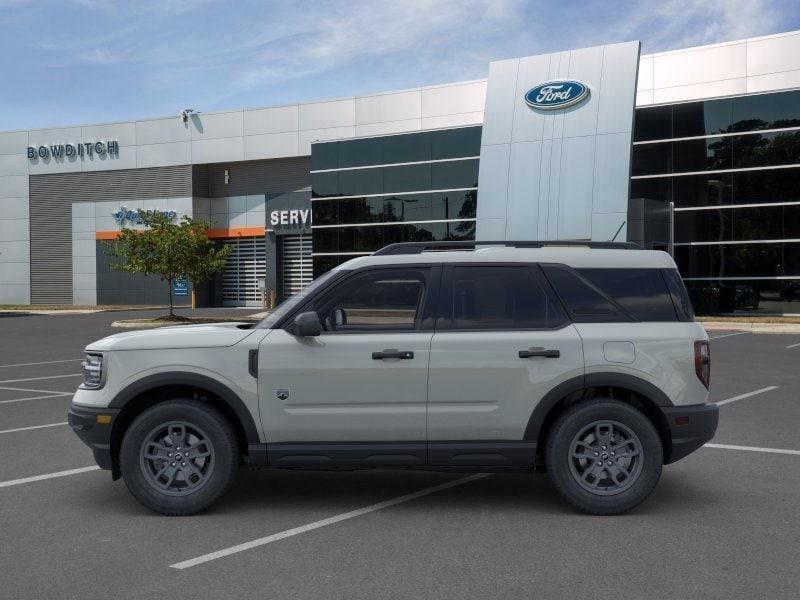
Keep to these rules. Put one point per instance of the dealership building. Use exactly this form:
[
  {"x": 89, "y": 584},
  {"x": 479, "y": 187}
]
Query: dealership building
[{"x": 694, "y": 151}]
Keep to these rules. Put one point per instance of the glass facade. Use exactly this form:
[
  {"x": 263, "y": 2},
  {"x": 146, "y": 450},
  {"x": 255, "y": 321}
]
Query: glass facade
[
  {"x": 732, "y": 169},
  {"x": 371, "y": 192}
]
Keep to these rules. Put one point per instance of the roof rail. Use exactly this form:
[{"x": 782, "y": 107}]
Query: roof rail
[{"x": 420, "y": 247}]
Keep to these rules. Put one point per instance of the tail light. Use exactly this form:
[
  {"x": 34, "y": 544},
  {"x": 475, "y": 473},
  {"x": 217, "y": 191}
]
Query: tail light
[{"x": 702, "y": 362}]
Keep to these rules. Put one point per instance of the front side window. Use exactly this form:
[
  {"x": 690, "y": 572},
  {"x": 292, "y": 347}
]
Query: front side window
[
  {"x": 386, "y": 299},
  {"x": 501, "y": 298}
]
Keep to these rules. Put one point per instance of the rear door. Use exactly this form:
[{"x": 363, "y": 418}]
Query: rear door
[{"x": 502, "y": 342}]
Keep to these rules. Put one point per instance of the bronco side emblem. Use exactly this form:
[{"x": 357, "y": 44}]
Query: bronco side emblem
[{"x": 282, "y": 394}]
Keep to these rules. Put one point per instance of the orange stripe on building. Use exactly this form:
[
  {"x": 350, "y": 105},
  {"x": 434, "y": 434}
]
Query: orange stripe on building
[
  {"x": 235, "y": 232},
  {"x": 212, "y": 233}
]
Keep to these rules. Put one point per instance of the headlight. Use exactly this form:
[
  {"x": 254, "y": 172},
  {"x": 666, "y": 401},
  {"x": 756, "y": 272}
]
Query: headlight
[{"x": 92, "y": 368}]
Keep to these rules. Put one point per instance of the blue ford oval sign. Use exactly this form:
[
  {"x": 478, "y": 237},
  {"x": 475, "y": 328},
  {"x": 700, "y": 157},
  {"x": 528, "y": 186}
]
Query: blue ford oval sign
[{"x": 556, "y": 94}]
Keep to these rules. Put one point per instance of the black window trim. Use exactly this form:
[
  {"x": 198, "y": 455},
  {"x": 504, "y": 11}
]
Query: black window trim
[
  {"x": 430, "y": 300},
  {"x": 444, "y": 324}
]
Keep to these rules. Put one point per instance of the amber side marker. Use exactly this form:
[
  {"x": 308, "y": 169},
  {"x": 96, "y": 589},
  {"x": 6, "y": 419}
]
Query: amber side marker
[{"x": 104, "y": 419}]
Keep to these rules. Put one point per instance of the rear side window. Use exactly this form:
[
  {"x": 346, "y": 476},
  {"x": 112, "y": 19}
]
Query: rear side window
[
  {"x": 585, "y": 302},
  {"x": 680, "y": 297},
  {"x": 501, "y": 298},
  {"x": 642, "y": 292}
]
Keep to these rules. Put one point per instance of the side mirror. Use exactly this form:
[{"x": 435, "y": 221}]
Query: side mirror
[{"x": 306, "y": 324}]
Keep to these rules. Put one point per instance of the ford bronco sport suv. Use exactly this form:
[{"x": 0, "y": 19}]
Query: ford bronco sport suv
[{"x": 583, "y": 360}]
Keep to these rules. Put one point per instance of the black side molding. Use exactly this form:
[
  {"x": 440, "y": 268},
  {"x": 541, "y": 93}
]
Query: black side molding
[{"x": 252, "y": 363}]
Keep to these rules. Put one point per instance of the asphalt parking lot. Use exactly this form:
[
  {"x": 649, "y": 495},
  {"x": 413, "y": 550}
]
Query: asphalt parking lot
[{"x": 723, "y": 523}]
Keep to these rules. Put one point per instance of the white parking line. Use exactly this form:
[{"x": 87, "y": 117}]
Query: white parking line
[
  {"x": 47, "y": 476},
  {"x": 46, "y": 362},
  {"x": 753, "y": 449},
  {"x": 32, "y": 427},
  {"x": 719, "y": 337},
  {"x": 193, "y": 562},
  {"x": 747, "y": 395},
  {"x": 58, "y": 395},
  {"x": 27, "y": 389},
  {"x": 40, "y": 378},
  {"x": 793, "y": 346}
]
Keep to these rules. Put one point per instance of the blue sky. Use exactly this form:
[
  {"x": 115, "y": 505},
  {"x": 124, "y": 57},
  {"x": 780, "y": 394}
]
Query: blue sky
[{"x": 90, "y": 61}]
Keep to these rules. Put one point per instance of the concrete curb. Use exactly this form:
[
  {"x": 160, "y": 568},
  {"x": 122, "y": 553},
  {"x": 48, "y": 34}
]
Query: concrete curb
[{"x": 751, "y": 327}]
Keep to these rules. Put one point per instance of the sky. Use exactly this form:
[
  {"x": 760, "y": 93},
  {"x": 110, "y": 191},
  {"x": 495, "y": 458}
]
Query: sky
[{"x": 72, "y": 62}]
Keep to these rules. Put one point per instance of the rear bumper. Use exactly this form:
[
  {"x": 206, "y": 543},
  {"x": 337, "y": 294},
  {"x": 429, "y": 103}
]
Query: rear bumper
[
  {"x": 690, "y": 427},
  {"x": 97, "y": 436}
]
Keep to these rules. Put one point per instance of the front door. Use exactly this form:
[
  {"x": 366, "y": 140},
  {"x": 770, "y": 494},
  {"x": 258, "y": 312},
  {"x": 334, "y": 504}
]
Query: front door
[
  {"x": 501, "y": 343},
  {"x": 358, "y": 391}
]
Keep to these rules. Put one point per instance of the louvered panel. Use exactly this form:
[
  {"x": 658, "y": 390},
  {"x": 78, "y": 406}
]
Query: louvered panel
[
  {"x": 51, "y": 198},
  {"x": 297, "y": 265},
  {"x": 245, "y": 265}
]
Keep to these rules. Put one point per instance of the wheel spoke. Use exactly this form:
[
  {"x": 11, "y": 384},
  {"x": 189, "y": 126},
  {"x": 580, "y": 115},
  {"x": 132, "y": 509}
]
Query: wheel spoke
[
  {"x": 615, "y": 471},
  {"x": 189, "y": 470},
  {"x": 156, "y": 451},
  {"x": 167, "y": 472},
  {"x": 177, "y": 434}
]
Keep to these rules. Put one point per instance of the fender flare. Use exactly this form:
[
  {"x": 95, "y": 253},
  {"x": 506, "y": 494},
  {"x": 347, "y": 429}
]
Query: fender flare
[
  {"x": 583, "y": 382},
  {"x": 222, "y": 391}
]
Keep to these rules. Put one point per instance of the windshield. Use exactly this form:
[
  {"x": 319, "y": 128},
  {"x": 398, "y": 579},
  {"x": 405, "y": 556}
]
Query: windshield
[{"x": 294, "y": 301}]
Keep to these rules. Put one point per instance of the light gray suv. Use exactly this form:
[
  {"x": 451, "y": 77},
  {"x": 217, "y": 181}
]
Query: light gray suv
[{"x": 581, "y": 359}]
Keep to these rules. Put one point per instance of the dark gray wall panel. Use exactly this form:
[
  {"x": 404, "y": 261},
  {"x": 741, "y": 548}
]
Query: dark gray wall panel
[
  {"x": 258, "y": 177},
  {"x": 119, "y": 287}
]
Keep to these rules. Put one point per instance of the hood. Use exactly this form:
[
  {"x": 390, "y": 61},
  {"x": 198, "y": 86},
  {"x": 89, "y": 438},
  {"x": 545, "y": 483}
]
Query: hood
[{"x": 181, "y": 336}]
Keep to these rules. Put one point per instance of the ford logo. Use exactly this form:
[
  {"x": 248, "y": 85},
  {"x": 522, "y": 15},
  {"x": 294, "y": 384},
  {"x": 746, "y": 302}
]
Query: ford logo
[{"x": 556, "y": 94}]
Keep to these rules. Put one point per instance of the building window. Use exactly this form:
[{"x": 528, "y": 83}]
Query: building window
[
  {"x": 371, "y": 192},
  {"x": 735, "y": 185}
]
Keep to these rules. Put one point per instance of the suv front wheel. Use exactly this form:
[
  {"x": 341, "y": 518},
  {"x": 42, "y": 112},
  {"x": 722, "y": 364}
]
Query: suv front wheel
[
  {"x": 178, "y": 457},
  {"x": 604, "y": 456}
]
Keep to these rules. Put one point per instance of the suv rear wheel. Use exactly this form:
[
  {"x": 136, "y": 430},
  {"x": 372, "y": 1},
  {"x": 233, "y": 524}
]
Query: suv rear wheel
[
  {"x": 179, "y": 456},
  {"x": 604, "y": 456}
]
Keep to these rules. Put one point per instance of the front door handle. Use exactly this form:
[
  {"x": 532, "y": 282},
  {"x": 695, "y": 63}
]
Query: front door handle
[
  {"x": 532, "y": 352},
  {"x": 401, "y": 354}
]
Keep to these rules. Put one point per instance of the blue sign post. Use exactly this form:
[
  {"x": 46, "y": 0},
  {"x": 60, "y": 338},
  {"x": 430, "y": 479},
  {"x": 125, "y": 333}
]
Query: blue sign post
[{"x": 180, "y": 286}]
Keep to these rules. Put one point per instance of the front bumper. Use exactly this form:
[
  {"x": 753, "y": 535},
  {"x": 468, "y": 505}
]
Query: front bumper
[
  {"x": 690, "y": 427},
  {"x": 96, "y": 435}
]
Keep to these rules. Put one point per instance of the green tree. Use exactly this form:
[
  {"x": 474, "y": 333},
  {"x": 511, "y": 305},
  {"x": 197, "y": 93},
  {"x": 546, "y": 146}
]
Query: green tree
[{"x": 168, "y": 249}]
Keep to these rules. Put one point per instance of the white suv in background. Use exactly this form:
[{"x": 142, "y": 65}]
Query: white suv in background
[{"x": 581, "y": 359}]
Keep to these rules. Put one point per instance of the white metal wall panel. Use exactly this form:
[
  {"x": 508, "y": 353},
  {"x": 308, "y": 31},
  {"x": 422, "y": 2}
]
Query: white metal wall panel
[{"x": 563, "y": 146}]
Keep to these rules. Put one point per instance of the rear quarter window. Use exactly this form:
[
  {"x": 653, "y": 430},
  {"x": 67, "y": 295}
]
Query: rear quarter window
[{"x": 641, "y": 292}]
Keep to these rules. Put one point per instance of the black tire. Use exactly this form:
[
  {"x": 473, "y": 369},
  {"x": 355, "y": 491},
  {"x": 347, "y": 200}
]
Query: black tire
[
  {"x": 182, "y": 490},
  {"x": 603, "y": 490}
]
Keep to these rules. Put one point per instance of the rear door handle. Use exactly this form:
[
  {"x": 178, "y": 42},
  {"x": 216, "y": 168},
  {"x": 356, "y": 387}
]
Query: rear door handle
[
  {"x": 533, "y": 352},
  {"x": 401, "y": 354}
]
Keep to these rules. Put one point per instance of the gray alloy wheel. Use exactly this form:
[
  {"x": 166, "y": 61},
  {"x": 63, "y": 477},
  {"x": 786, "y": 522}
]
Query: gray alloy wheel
[
  {"x": 177, "y": 458},
  {"x": 606, "y": 458},
  {"x": 603, "y": 456}
]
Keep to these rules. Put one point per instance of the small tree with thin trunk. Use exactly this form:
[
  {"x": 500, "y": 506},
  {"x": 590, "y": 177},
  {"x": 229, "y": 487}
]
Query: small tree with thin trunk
[{"x": 169, "y": 250}]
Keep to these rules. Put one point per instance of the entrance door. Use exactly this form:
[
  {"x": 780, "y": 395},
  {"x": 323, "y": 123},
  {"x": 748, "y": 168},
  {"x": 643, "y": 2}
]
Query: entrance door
[
  {"x": 246, "y": 264},
  {"x": 502, "y": 343},
  {"x": 359, "y": 390},
  {"x": 297, "y": 263}
]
